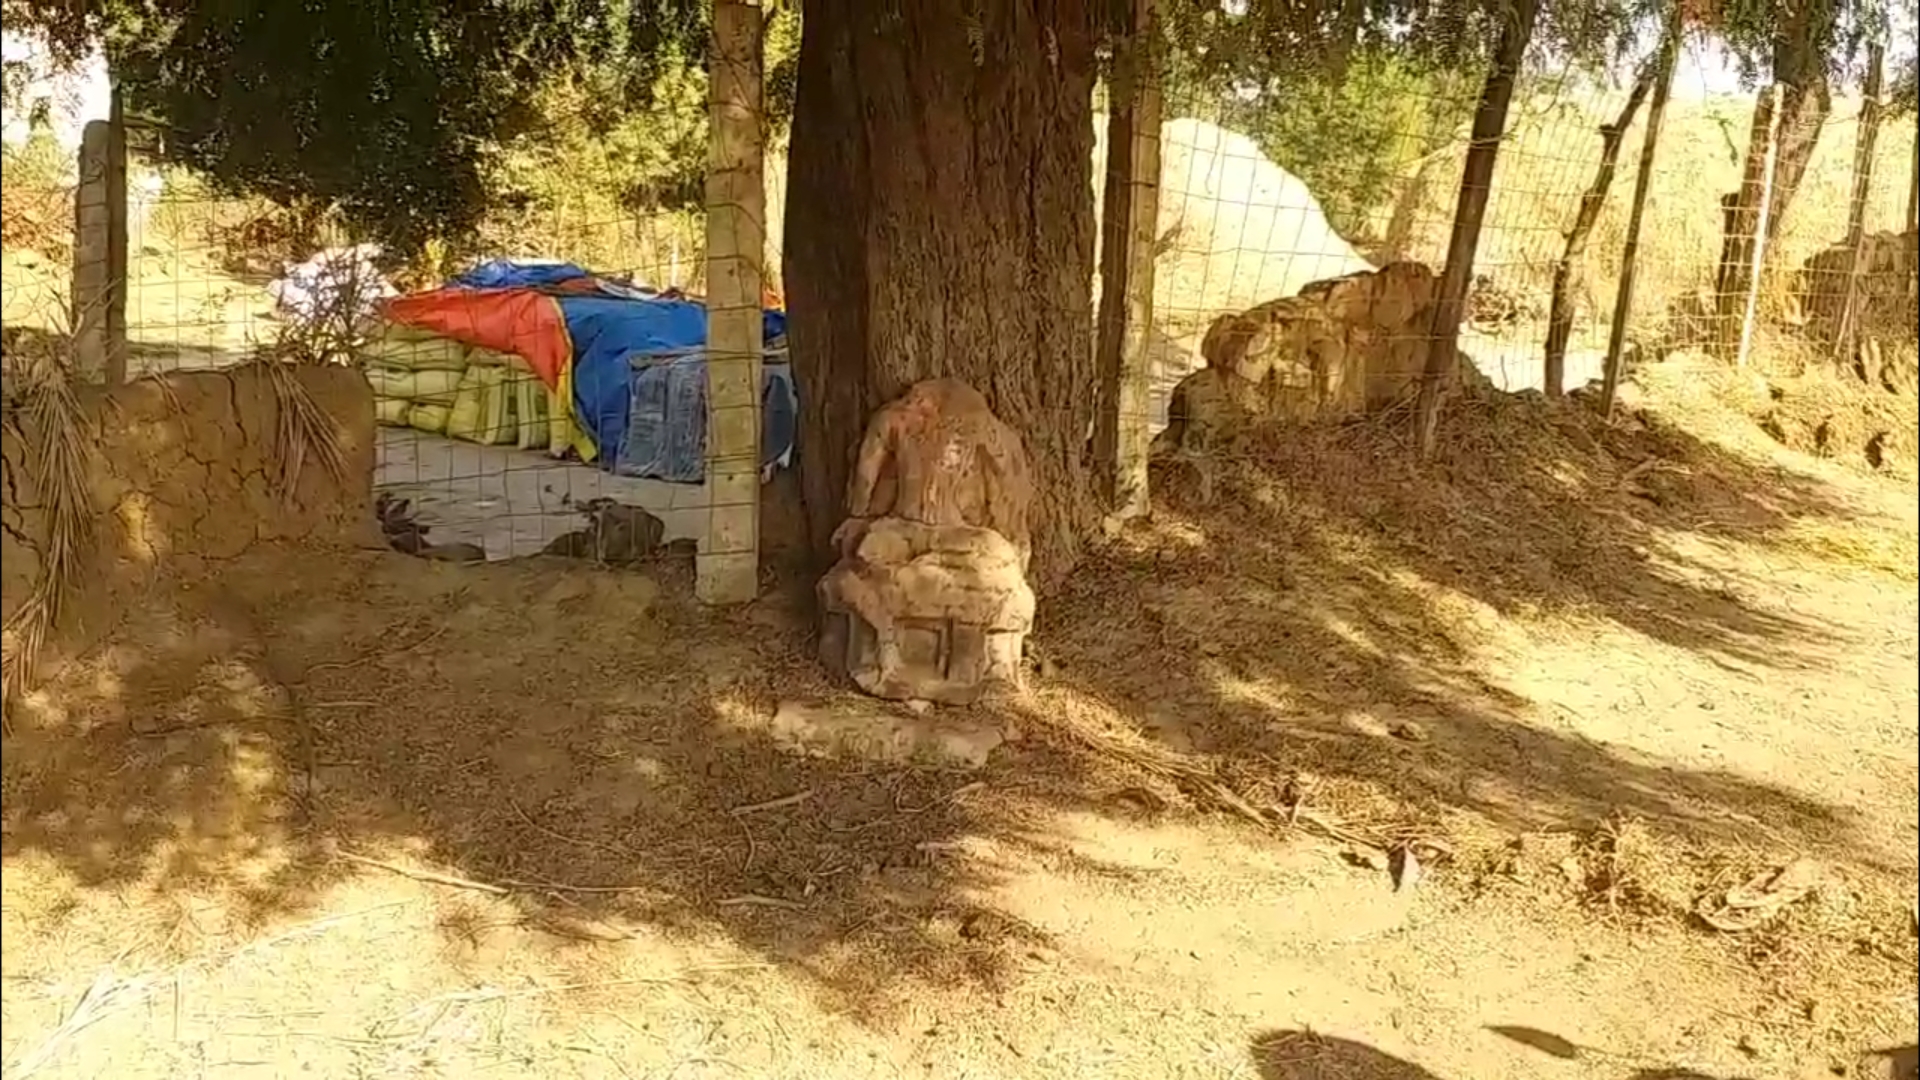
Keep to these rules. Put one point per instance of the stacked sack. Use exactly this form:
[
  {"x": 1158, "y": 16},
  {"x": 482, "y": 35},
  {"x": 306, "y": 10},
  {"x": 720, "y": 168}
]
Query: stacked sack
[{"x": 441, "y": 386}]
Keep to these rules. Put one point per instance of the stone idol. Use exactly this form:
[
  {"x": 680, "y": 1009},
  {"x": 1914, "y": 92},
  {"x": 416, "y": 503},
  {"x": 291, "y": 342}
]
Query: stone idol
[{"x": 929, "y": 599}]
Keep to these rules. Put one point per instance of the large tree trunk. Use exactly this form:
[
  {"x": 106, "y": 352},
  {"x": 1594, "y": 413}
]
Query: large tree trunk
[
  {"x": 940, "y": 223},
  {"x": 1800, "y": 68}
]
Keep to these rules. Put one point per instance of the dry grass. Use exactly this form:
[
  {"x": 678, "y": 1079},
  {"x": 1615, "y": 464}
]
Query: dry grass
[
  {"x": 1827, "y": 951},
  {"x": 1792, "y": 396},
  {"x": 1892, "y": 554},
  {"x": 1322, "y": 543},
  {"x": 521, "y": 852},
  {"x": 1317, "y": 653},
  {"x": 1542, "y": 171}
]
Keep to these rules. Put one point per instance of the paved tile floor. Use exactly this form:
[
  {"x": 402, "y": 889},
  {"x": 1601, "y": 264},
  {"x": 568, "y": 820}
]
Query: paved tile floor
[{"x": 513, "y": 502}]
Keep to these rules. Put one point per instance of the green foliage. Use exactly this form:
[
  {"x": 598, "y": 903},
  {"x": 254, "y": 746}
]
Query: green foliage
[
  {"x": 416, "y": 119},
  {"x": 614, "y": 171},
  {"x": 654, "y": 157},
  {"x": 37, "y": 176},
  {"x": 1771, "y": 39},
  {"x": 36, "y": 162},
  {"x": 390, "y": 111},
  {"x": 1352, "y": 139},
  {"x": 1903, "y": 91},
  {"x": 1259, "y": 41}
]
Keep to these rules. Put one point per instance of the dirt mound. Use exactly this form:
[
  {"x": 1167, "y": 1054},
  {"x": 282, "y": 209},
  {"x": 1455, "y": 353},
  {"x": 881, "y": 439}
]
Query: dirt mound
[
  {"x": 1887, "y": 305},
  {"x": 1326, "y": 539},
  {"x": 1235, "y": 229},
  {"x": 1840, "y": 419},
  {"x": 1527, "y": 504},
  {"x": 1811, "y": 408},
  {"x": 171, "y": 476}
]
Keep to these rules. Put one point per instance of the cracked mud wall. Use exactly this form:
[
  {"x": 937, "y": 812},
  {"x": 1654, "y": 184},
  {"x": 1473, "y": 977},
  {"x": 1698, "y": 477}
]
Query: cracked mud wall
[{"x": 181, "y": 476}]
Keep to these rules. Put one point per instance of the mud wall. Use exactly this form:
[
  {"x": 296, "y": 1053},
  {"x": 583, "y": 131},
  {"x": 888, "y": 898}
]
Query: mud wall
[{"x": 181, "y": 474}]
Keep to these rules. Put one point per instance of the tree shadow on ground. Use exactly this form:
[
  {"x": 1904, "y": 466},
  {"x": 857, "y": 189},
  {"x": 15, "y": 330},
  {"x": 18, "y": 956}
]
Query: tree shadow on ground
[
  {"x": 565, "y": 738},
  {"x": 597, "y": 752},
  {"x": 1305, "y": 1055},
  {"x": 1331, "y": 595},
  {"x": 1564, "y": 1049}
]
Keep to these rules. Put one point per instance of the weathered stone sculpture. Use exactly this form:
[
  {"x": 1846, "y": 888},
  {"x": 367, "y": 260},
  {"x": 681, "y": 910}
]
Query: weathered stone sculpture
[
  {"x": 929, "y": 600},
  {"x": 1346, "y": 345}
]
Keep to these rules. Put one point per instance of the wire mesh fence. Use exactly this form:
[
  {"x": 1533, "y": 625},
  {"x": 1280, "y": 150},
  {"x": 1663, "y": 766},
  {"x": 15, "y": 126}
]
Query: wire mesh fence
[{"x": 490, "y": 437}]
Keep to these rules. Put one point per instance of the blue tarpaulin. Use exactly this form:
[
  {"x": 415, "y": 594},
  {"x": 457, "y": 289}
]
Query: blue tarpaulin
[
  {"x": 632, "y": 346},
  {"x": 667, "y": 421}
]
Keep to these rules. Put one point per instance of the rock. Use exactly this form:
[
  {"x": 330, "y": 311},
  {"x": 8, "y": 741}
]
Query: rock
[
  {"x": 1748, "y": 905},
  {"x": 1369, "y": 858},
  {"x": 881, "y": 735},
  {"x": 615, "y": 533},
  {"x": 1887, "y": 262},
  {"x": 1343, "y": 346},
  {"x": 1406, "y": 869},
  {"x": 1409, "y": 731},
  {"x": 930, "y": 600},
  {"x": 456, "y": 552}
]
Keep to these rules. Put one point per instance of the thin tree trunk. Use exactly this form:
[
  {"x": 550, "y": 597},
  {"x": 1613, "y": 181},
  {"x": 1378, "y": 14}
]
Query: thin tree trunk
[
  {"x": 1913, "y": 223},
  {"x": 1803, "y": 100},
  {"x": 1807, "y": 108},
  {"x": 1476, "y": 183},
  {"x": 1769, "y": 162},
  {"x": 1560, "y": 310},
  {"x": 1913, "y": 192},
  {"x": 1857, "y": 206},
  {"x": 941, "y": 224},
  {"x": 1643, "y": 180}
]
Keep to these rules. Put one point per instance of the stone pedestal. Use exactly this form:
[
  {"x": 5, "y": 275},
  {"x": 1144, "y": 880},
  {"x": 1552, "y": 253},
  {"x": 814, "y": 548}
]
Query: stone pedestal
[{"x": 925, "y": 612}]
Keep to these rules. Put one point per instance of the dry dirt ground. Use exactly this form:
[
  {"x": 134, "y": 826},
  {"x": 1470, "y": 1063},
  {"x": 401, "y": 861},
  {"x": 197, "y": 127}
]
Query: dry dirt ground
[
  {"x": 183, "y": 312},
  {"x": 345, "y": 814}
]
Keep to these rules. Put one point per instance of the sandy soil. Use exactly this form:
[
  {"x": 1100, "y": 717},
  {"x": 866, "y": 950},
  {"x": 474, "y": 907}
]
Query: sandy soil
[
  {"x": 347, "y": 814},
  {"x": 183, "y": 312}
]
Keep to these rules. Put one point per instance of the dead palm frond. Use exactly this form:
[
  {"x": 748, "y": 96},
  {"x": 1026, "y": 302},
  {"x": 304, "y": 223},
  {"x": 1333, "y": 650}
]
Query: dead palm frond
[
  {"x": 51, "y": 427},
  {"x": 330, "y": 334},
  {"x": 302, "y": 429}
]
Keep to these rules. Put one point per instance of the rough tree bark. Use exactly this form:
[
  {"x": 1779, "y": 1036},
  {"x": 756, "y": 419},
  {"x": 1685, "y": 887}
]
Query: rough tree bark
[
  {"x": 940, "y": 223},
  {"x": 1913, "y": 223},
  {"x": 1637, "y": 210},
  {"x": 1476, "y": 184},
  {"x": 1800, "y": 55},
  {"x": 1592, "y": 201},
  {"x": 1857, "y": 204}
]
